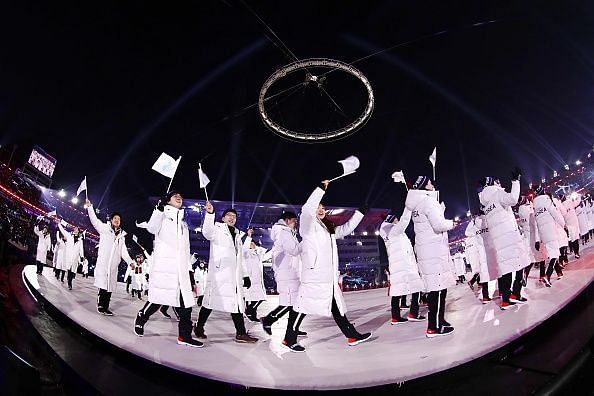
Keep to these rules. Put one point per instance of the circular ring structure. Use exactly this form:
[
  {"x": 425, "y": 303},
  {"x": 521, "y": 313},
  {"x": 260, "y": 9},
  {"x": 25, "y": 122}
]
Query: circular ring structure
[{"x": 315, "y": 137}]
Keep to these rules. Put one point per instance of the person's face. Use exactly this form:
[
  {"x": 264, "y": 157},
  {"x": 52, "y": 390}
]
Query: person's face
[
  {"x": 139, "y": 260},
  {"x": 252, "y": 245},
  {"x": 292, "y": 223},
  {"x": 116, "y": 221},
  {"x": 176, "y": 201},
  {"x": 430, "y": 186},
  {"x": 230, "y": 218},
  {"x": 75, "y": 231},
  {"x": 321, "y": 212},
  {"x": 44, "y": 230}
]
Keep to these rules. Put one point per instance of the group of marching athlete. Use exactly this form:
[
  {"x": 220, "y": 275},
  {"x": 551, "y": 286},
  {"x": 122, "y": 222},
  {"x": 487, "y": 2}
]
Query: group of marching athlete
[{"x": 306, "y": 269}]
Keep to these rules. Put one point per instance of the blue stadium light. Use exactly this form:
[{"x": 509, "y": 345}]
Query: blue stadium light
[
  {"x": 62, "y": 193},
  {"x": 74, "y": 200},
  {"x": 578, "y": 162}
]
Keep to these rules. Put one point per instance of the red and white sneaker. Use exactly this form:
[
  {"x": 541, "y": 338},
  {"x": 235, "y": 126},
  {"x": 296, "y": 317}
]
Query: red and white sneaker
[
  {"x": 485, "y": 300},
  {"x": 507, "y": 305},
  {"x": 398, "y": 321},
  {"x": 413, "y": 318},
  {"x": 517, "y": 300},
  {"x": 442, "y": 331},
  {"x": 361, "y": 338}
]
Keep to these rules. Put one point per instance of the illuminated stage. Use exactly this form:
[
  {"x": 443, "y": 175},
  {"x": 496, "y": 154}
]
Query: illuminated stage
[{"x": 394, "y": 355}]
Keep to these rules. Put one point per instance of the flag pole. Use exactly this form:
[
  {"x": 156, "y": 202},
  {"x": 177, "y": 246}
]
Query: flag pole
[
  {"x": 171, "y": 180},
  {"x": 341, "y": 176},
  {"x": 86, "y": 190}
]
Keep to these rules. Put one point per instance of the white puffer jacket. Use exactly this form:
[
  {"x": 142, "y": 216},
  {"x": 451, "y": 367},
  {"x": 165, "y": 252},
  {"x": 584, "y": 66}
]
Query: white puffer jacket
[
  {"x": 255, "y": 269},
  {"x": 404, "y": 270},
  {"x": 591, "y": 213},
  {"x": 112, "y": 250},
  {"x": 530, "y": 233},
  {"x": 73, "y": 251},
  {"x": 548, "y": 219},
  {"x": 226, "y": 267},
  {"x": 571, "y": 219},
  {"x": 44, "y": 245},
  {"x": 319, "y": 257},
  {"x": 286, "y": 262},
  {"x": 170, "y": 262},
  {"x": 459, "y": 264},
  {"x": 583, "y": 218},
  {"x": 431, "y": 239},
  {"x": 561, "y": 233},
  {"x": 472, "y": 247},
  {"x": 489, "y": 270},
  {"x": 503, "y": 228},
  {"x": 59, "y": 252}
]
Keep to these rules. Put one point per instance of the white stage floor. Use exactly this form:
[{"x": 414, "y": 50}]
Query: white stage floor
[{"x": 395, "y": 354}]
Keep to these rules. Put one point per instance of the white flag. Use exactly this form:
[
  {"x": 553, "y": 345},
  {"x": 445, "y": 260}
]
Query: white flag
[
  {"x": 433, "y": 157},
  {"x": 144, "y": 224},
  {"x": 166, "y": 165},
  {"x": 84, "y": 234},
  {"x": 82, "y": 187},
  {"x": 63, "y": 223},
  {"x": 350, "y": 164},
  {"x": 204, "y": 180},
  {"x": 52, "y": 213},
  {"x": 398, "y": 177}
]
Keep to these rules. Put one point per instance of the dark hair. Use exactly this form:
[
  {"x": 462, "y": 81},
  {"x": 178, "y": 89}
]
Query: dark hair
[
  {"x": 329, "y": 224},
  {"x": 114, "y": 214},
  {"x": 229, "y": 210},
  {"x": 287, "y": 215},
  {"x": 167, "y": 197}
]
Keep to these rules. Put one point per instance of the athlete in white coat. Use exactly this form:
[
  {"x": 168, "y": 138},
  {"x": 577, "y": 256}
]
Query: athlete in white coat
[
  {"x": 548, "y": 219},
  {"x": 285, "y": 263},
  {"x": 112, "y": 250},
  {"x": 227, "y": 274},
  {"x": 319, "y": 292},
  {"x": 433, "y": 252},
  {"x": 59, "y": 261},
  {"x": 530, "y": 235},
  {"x": 562, "y": 233},
  {"x": 472, "y": 251},
  {"x": 44, "y": 245},
  {"x": 572, "y": 223},
  {"x": 459, "y": 264},
  {"x": 171, "y": 283},
  {"x": 73, "y": 251},
  {"x": 403, "y": 268},
  {"x": 583, "y": 220},
  {"x": 138, "y": 276},
  {"x": 256, "y": 294},
  {"x": 200, "y": 274},
  {"x": 504, "y": 233}
]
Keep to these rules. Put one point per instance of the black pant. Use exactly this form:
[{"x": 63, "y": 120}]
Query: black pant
[
  {"x": 103, "y": 299},
  {"x": 251, "y": 307},
  {"x": 475, "y": 279},
  {"x": 575, "y": 247},
  {"x": 39, "y": 267},
  {"x": 563, "y": 259},
  {"x": 184, "y": 327},
  {"x": 517, "y": 287},
  {"x": 554, "y": 265},
  {"x": 237, "y": 318},
  {"x": 295, "y": 319},
  {"x": 414, "y": 305},
  {"x": 128, "y": 281},
  {"x": 436, "y": 302},
  {"x": 504, "y": 283},
  {"x": 71, "y": 276},
  {"x": 485, "y": 290},
  {"x": 200, "y": 298},
  {"x": 276, "y": 314}
]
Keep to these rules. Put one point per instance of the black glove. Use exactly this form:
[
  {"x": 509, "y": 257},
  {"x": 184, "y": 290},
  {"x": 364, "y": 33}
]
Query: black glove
[
  {"x": 537, "y": 245},
  {"x": 247, "y": 283},
  {"x": 516, "y": 174},
  {"x": 160, "y": 206},
  {"x": 364, "y": 209},
  {"x": 192, "y": 280}
]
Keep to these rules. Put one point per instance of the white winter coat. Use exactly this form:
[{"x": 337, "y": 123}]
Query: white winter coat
[
  {"x": 583, "y": 218},
  {"x": 319, "y": 259},
  {"x": 73, "y": 251},
  {"x": 530, "y": 233},
  {"x": 571, "y": 219},
  {"x": 548, "y": 219},
  {"x": 255, "y": 269},
  {"x": 590, "y": 211},
  {"x": 459, "y": 264},
  {"x": 285, "y": 262},
  {"x": 59, "y": 253},
  {"x": 489, "y": 270},
  {"x": 138, "y": 278},
  {"x": 431, "y": 239},
  {"x": 404, "y": 270},
  {"x": 504, "y": 233},
  {"x": 226, "y": 267},
  {"x": 44, "y": 245},
  {"x": 112, "y": 250},
  {"x": 472, "y": 247},
  {"x": 200, "y": 279},
  {"x": 170, "y": 261},
  {"x": 561, "y": 233}
]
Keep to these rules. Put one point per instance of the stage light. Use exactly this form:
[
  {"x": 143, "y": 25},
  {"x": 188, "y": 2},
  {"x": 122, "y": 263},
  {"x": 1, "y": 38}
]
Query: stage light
[
  {"x": 457, "y": 218},
  {"x": 359, "y": 243},
  {"x": 543, "y": 180},
  {"x": 62, "y": 193},
  {"x": 566, "y": 167},
  {"x": 555, "y": 174},
  {"x": 74, "y": 200},
  {"x": 377, "y": 233},
  {"x": 578, "y": 162},
  {"x": 365, "y": 233},
  {"x": 198, "y": 229},
  {"x": 468, "y": 213}
]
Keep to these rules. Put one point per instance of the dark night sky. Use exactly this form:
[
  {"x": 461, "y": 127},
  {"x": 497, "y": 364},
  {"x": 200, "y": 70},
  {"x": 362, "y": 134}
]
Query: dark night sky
[{"x": 105, "y": 87}]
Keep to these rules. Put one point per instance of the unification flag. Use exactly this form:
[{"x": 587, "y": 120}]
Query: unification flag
[
  {"x": 166, "y": 165},
  {"x": 82, "y": 187},
  {"x": 350, "y": 164}
]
